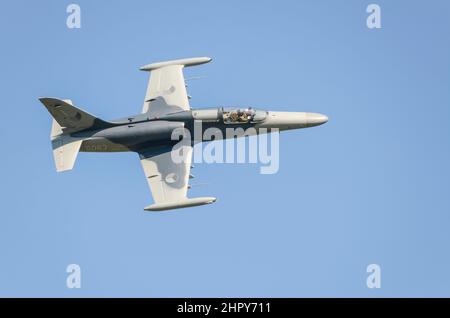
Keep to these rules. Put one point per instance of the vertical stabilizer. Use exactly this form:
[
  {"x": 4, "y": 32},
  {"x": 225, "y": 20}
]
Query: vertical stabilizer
[
  {"x": 65, "y": 147},
  {"x": 56, "y": 128}
]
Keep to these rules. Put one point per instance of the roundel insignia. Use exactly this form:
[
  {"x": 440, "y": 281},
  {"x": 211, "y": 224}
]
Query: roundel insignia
[{"x": 171, "y": 178}]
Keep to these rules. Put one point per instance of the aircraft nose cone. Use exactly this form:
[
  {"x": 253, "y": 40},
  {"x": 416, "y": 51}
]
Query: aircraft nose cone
[{"x": 314, "y": 119}]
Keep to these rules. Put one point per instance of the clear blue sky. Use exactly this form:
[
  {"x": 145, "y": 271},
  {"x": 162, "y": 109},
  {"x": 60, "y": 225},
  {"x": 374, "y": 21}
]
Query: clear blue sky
[{"x": 370, "y": 186}]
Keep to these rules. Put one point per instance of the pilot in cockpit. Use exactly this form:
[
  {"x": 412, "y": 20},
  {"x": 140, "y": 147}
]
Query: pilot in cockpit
[
  {"x": 246, "y": 115},
  {"x": 250, "y": 113},
  {"x": 239, "y": 115}
]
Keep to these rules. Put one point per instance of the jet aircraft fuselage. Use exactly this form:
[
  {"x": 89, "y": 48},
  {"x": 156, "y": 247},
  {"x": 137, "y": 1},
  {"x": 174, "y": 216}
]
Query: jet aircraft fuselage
[
  {"x": 140, "y": 131},
  {"x": 166, "y": 121}
]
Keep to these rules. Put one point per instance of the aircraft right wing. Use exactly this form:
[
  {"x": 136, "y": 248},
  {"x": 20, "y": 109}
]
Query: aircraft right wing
[{"x": 166, "y": 89}]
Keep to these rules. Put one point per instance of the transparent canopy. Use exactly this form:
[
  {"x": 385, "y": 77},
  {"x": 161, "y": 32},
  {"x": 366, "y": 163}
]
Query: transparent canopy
[{"x": 235, "y": 115}]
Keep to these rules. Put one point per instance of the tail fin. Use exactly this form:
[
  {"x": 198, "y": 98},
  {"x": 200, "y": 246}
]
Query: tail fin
[
  {"x": 70, "y": 118},
  {"x": 66, "y": 119}
]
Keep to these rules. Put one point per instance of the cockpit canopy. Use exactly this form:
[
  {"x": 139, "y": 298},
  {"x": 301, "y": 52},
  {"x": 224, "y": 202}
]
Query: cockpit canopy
[{"x": 239, "y": 115}]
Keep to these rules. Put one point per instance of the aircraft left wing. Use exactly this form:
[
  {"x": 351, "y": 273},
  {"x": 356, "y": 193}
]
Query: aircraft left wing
[{"x": 168, "y": 180}]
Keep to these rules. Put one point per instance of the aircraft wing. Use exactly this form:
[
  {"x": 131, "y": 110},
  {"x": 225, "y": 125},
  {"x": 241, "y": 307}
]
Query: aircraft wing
[
  {"x": 166, "y": 90},
  {"x": 168, "y": 180}
]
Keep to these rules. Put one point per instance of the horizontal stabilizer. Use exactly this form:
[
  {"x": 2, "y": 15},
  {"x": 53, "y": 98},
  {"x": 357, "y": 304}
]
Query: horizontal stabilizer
[
  {"x": 65, "y": 151},
  {"x": 185, "y": 203}
]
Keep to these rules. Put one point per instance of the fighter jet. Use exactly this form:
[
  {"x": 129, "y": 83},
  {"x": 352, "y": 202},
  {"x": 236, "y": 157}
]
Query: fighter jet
[{"x": 150, "y": 134}]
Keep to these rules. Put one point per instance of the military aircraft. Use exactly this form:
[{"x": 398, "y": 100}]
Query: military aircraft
[{"x": 150, "y": 133}]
